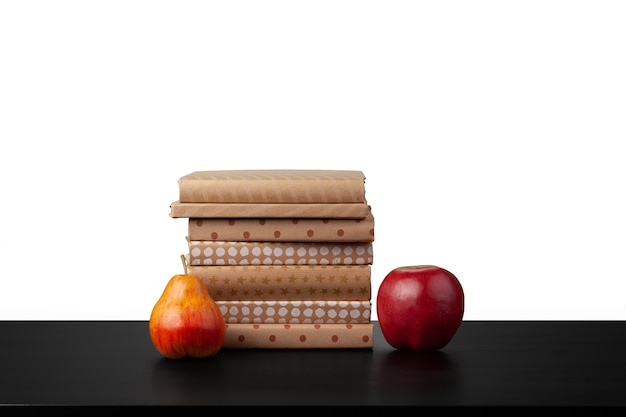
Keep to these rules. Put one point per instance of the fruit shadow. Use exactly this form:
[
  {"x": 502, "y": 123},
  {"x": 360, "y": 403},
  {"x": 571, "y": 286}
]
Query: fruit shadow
[
  {"x": 265, "y": 377},
  {"x": 405, "y": 377}
]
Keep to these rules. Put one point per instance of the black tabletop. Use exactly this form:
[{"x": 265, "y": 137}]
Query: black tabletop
[{"x": 488, "y": 363}]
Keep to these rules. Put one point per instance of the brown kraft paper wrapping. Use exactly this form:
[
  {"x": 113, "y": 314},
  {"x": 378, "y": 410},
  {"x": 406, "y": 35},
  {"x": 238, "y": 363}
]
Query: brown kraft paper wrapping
[
  {"x": 272, "y": 186},
  {"x": 269, "y": 210},
  {"x": 208, "y": 252},
  {"x": 282, "y": 230},
  {"x": 294, "y": 312},
  {"x": 298, "y": 336},
  {"x": 286, "y": 282}
]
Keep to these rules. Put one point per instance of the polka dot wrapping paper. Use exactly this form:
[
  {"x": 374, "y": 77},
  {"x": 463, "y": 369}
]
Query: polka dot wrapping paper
[
  {"x": 294, "y": 312},
  {"x": 327, "y": 336},
  {"x": 282, "y": 230},
  {"x": 286, "y": 254},
  {"x": 208, "y": 252}
]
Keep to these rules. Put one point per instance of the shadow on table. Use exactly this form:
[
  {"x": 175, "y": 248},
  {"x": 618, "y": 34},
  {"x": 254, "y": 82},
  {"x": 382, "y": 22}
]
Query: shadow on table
[
  {"x": 266, "y": 377},
  {"x": 424, "y": 378}
]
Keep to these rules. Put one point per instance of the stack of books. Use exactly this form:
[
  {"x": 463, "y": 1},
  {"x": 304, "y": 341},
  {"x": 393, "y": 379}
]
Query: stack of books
[{"x": 286, "y": 254}]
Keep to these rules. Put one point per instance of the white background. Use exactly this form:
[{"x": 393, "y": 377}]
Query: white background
[{"x": 491, "y": 134}]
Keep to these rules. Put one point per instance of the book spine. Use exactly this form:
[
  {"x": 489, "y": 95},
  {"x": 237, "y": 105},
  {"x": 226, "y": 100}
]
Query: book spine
[
  {"x": 272, "y": 210},
  {"x": 270, "y": 188},
  {"x": 298, "y": 336},
  {"x": 286, "y": 282},
  {"x": 206, "y": 252},
  {"x": 294, "y": 312},
  {"x": 282, "y": 230}
]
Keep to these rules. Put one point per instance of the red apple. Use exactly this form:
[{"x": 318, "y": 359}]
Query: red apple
[{"x": 420, "y": 307}]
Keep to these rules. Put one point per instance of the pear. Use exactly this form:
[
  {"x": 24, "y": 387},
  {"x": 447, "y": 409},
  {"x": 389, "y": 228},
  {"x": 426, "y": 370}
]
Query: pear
[{"x": 186, "y": 321}]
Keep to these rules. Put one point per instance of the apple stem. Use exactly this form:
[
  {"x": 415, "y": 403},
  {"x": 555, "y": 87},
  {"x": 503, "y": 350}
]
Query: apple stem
[{"x": 182, "y": 257}]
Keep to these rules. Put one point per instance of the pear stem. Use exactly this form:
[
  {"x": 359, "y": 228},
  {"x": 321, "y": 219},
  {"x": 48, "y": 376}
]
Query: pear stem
[{"x": 182, "y": 257}]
